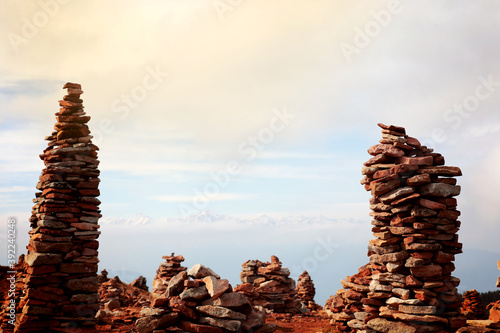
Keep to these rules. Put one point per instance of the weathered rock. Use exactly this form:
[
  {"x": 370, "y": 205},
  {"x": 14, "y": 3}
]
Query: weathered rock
[
  {"x": 198, "y": 294},
  {"x": 176, "y": 284},
  {"x": 386, "y": 326},
  {"x": 220, "y": 312},
  {"x": 230, "y": 325},
  {"x": 199, "y": 272},
  {"x": 216, "y": 287}
]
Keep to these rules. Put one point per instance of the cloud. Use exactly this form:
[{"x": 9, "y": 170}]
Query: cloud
[
  {"x": 188, "y": 198},
  {"x": 15, "y": 189}
]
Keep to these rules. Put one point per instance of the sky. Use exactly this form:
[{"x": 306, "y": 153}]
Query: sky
[{"x": 252, "y": 109}]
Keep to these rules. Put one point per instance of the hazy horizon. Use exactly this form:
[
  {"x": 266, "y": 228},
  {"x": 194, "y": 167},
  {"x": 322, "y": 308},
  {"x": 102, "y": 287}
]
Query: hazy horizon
[{"x": 249, "y": 108}]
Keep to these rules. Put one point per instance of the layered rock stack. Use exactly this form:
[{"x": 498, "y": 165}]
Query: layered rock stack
[
  {"x": 268, "y": 285},
  {"x": 60, "y": 291},
  {"x": 472, "y": 306},
  {"x": 494, "y": 308},
  {"x": 306, "y": 292},
  {"x": 115, "y": 294},
  {"x": 498, "y": 279},
  {"x": 103, "y": 277},
  {"x": 140, "y": 283},
  {"x": 170, "y": 268},
  {"x": 408, "y": 281},
  {"x": 200, "y": 301}
]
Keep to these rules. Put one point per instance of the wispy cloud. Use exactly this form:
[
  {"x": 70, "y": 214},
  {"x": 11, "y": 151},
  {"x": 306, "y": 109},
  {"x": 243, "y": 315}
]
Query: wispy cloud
[
  {"x": 188, "y": 198},
  {"x": 15, "y": 188}
]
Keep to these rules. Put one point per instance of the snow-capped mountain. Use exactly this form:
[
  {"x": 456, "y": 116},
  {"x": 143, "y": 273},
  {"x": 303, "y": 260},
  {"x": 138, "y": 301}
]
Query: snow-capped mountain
[{"x": 209, "y": 217}]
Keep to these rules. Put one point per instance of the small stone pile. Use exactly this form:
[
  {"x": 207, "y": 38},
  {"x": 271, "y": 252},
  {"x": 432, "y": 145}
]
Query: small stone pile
[
  {"x": 170, "y": 268},
  {"x": 60, "y": 289},
  {"x": 115, "y": 294},
  {"x": 408, "y": 281},
  {"x": 472, "y": 306},
  {"x": 268, "y": 285},
  {"x": 306, "y": 292},
  {"x": 140, "y": 283},
  {"x": 494, "y": 307},
  {"x": 103, "y": 277},
  {"x": 200, "y": 301}
]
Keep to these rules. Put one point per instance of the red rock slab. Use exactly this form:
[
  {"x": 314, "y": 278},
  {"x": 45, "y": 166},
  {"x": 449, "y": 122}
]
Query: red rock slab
[
  {"x": 393, "y": 128},
  {"x": 198, "y": 328},
  {"x": 398, "y": 169},
  {"x": 72, "y": 85},
  {"x": 431, "y": 204},
  {"x": 421, "y": 160},
  {"x": 385, "y": 149},
  {"x": 427, "y": 271},
  {"x": 448, "y": 171},
  {"x": 382, "y": 188},
  {"x": 380, "y": 158}
]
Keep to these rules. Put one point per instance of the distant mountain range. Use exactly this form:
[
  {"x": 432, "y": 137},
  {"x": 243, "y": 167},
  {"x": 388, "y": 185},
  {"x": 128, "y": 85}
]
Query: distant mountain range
[{"x": 205, "y": 217}]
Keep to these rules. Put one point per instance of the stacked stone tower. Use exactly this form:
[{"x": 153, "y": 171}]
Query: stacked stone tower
[
  {"x": 306, "y": 291},
  {"x": 60, "y": 289},
  {"x": 408, "y": 282}
]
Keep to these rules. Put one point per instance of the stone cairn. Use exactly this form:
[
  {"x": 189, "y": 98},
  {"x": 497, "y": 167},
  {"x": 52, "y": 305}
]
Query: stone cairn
[
  {"x": 170, "y": 268},
  {"x": 498, "y": 279},
  {"x": 472, "y": 306},
  {"x": 200, "y": 301},
  {"x": 140, "y": 283},
  {"x": 269, "y": 286},
  {"x": 306, "y": 292},
  {"x": 408, "y": 281},
  {"x": 103, "y": 277},
  {"x": 494, "y": 307},
  {"x": 60, "y": 289},
  {"x": 115, "y": 294}
]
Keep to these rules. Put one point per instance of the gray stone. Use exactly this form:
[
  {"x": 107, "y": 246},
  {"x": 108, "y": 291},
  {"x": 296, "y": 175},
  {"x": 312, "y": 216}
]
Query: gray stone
[
  {"x": 440, "y": 190},
  {"x": 88, "y": 284},
  {"x": 176, "y": 284},
  {"x": 415, "y": 309},
  {"x": 228, "y": 324},
  {"x": 220, "y": 312},
  {"x": 396, "y": 194},
  {"x": 199, "y": 272},
  {"x": 253, "y": 320},
  {"x": 229, "y": 300},
  {"x": 386, "y": 326},
  {"x": 394, "y": 301},
  {"x": 198, "y": 294},
  {"x": 38, "y": 259}
]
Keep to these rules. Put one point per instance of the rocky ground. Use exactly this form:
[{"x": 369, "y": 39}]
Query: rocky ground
[{"x": 123, "y": 321}]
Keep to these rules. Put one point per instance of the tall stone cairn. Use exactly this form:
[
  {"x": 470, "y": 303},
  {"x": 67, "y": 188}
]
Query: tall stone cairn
[
  {"x": 408, "y": 282},
  {"x": 60, "y": 289},
  {"x": 306, "y": 292}
]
